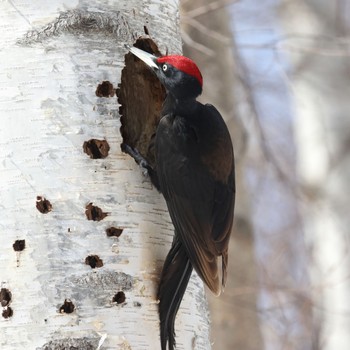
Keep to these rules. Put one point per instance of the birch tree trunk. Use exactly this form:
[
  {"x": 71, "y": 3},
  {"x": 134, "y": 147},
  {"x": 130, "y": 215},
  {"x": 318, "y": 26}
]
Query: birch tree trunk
[{"x": 82, "y": 240}]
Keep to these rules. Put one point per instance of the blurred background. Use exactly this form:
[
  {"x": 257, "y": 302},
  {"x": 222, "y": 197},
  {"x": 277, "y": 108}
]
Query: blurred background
[{"x": 279, "y": 72}]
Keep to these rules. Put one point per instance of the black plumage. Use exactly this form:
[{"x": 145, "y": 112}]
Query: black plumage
[{"x": 195, "y": 173}]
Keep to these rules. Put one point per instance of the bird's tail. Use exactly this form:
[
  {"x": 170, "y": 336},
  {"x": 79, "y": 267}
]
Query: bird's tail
[
  {"x": 176, "y": 273},
  {"x": 224, "y": 258}
]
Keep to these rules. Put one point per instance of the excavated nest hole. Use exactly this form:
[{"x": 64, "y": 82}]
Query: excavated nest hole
[
  {"x": 94, "y": 213},
  {"x": 119, "y": 298},
  {"x": 93, "y": 261},
  {"x": 96, "y": 149},
  {"x": 19, "y": 245},
  {"x": 105, "y": 89},
  {"x": 43, "y": 205},
  {"x": 140, "y": 95},
  {"x": 7, "y": 312},
  {"x": 5, "y": 297},
  {"x": 67, "y": 307},
  {"x": 114, "y": 231}
]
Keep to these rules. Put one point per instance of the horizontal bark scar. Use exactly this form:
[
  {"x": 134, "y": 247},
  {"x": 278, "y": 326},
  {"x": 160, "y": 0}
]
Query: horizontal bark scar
[{"x": 81, "y": 21}]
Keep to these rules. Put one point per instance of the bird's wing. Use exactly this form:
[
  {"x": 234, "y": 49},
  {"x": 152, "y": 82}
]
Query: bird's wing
[{"x": 201, "y": 209}]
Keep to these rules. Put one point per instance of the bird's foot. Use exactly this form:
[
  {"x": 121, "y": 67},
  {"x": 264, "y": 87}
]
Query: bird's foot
[{"x": 139, "y": 159}]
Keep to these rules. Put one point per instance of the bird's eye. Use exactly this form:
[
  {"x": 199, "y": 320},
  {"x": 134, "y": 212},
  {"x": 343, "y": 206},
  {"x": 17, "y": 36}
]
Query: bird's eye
[{"x": 165, "y": 67}]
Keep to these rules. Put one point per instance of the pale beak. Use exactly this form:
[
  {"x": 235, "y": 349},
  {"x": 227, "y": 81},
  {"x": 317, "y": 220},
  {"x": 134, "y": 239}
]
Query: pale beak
[{"x": 144, "y": 56}]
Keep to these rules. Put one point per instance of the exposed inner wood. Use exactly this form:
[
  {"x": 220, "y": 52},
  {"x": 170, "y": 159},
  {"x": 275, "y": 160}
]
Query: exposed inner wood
[{"x": 140, "y": 95}]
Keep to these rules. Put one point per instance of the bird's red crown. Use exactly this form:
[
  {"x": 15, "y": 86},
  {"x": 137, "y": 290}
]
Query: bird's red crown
[{"x": 183, "y": 64}]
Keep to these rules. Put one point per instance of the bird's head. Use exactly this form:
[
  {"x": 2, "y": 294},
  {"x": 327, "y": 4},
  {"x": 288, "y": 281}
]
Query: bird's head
[{"x": 179, "y": 75}]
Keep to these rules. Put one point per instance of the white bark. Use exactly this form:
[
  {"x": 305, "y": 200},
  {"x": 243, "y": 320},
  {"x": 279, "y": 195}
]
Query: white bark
[{"x": 48, "y": 108}]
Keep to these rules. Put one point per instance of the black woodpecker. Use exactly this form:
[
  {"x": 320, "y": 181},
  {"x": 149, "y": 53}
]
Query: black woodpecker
[{"x": 195, "y": 173}]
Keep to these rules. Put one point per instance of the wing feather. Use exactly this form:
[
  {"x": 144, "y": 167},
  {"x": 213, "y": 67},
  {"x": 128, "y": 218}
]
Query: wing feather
[{"x": 200, "y": 203}]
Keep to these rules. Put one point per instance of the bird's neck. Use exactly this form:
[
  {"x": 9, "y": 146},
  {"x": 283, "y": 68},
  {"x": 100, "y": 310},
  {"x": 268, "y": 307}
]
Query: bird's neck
[{"x": 183, "y": 106}]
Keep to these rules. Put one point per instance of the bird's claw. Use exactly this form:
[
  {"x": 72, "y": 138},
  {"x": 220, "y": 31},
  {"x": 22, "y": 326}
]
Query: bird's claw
[
  {"x": 144, "y": 167},
  {"x": 139, "y": 159}
]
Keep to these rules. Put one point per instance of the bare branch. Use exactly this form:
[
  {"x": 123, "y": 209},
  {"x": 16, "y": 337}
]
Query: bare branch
[
  {"x": 205, "y": 30},
  {"x": 208, "y": 8},
  {"x": 201, "y": 48}
]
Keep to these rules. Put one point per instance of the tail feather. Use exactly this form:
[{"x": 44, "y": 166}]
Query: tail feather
[
  {"x": 224, "y": 268},
  {"x": 176, "y": 273}
]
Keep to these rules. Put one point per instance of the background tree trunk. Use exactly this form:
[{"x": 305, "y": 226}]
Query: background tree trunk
[
  {"x": 53, "y": 55},
  {"x": 318, "y": 52}
]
